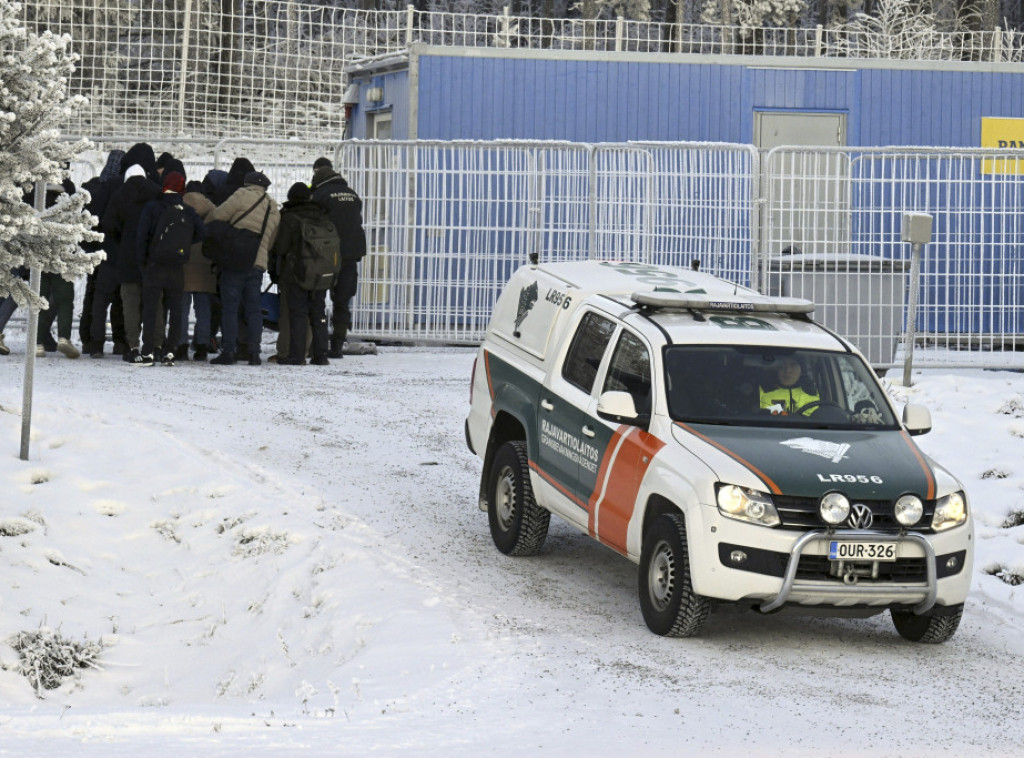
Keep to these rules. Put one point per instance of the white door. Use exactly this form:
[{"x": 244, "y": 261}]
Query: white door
[{"x": 807, "y": 190}]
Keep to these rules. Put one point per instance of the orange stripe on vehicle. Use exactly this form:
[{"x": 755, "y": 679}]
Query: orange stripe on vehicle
[
  {"x": 614, "y": 499},
  {"x": 772, "y": 486},
  {"x": 607, "y": 461},
  {"x": 929, "y": 475},
  {"x": 554, "y": 483}
]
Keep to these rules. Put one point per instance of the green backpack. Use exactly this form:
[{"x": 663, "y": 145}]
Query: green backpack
[{"x": 318, "y": 261}]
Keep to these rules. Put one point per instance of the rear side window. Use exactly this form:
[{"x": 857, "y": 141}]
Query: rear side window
[{"x": 588, "y": 346}]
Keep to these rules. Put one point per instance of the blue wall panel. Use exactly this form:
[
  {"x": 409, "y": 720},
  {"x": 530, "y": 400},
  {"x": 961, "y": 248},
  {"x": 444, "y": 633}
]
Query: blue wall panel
[{"x": 615, "y": 101}]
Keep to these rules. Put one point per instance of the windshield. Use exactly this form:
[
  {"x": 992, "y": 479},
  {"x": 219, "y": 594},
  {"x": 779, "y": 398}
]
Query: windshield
[{"x": 764, "y": 386}]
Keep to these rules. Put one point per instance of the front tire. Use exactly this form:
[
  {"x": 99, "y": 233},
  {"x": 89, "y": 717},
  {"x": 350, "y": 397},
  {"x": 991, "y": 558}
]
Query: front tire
[
  {"x": 670, "y": 606},
  {"x": 518, "y": 525},
  {"x": 933, "y": 627}
]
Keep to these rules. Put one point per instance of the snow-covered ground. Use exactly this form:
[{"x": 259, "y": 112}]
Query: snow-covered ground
[{"x": 278, "y": 560}]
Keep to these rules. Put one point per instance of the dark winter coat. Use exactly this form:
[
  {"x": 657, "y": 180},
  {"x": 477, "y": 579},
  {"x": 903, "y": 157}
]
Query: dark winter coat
[
  {"x": 121, "y": 223},
  {"x": 332, "y": 193},
  {"x": 162, "y": 275},
  {"x": 199, "y": 274},
  {"x": 239, "y": 203},
  {"x": 101, "y": 188},
  {"x": 289, "y": 238}
]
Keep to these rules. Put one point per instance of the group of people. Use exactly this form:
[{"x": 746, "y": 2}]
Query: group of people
[{"x": 144, "y": 205}]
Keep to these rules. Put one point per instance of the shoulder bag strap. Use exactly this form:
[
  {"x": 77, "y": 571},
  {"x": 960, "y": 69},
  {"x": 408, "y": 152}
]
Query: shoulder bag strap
[{"x": 252, "y": 207}]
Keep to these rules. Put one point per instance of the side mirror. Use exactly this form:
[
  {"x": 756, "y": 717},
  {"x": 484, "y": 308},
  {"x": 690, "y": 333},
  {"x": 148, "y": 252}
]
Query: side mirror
[
  {"x": 619, "y": 408},
  {"x": 917, "y": 419}
]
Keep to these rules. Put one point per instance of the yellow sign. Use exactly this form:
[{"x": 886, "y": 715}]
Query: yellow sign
[{"x": 1003, "y": 134}]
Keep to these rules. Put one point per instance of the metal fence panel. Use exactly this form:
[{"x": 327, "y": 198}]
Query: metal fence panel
[
  {"x": 844, "y": 208},
  {"x": 447, "y": 223}
]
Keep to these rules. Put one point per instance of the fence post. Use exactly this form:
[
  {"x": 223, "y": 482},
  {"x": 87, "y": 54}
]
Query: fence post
[
  {"x": 35, "y": 276},
  {"x": 817, "y": 41},
  {"x": 183, "y": 68},
  {"x": 619, "y": 24},
  {"x": 506, "y": 28},
  {"x": 410, "y": 19},
  {"x": 592, "y": 204},
  {"x": 997, "y": 45},
  {"x": 917, "y": 230}
]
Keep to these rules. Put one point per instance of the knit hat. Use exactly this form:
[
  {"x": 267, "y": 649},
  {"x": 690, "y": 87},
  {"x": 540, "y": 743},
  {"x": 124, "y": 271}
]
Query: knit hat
[
  {"x": 173, "y": 164},
  {"x": 298, "y": 192},
  {"x": 194, "y": 186},
  {"x": 322, "y": 163},
  {"x": 174, "y": 182},
  {"x": 257, "y": 178}
]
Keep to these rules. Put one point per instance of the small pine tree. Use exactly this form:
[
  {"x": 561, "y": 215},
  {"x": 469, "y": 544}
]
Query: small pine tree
[{"x": 34, "y": 74}]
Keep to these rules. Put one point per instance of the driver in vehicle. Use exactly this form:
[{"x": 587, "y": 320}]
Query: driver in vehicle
[{"x": 788, "y": 395}]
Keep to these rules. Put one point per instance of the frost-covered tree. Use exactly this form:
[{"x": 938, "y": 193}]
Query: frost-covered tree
[
  {"x": 34, "y": 73},
  {"x": 753, "y": 14},
  {"x": 900, "y": 29}
]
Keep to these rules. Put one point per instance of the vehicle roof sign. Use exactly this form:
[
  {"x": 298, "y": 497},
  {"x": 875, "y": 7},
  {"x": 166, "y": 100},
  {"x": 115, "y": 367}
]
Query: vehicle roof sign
[{"x": 687, "y": 301}]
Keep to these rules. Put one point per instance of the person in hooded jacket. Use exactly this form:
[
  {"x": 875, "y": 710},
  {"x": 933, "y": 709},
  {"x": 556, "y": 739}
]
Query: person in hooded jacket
[
  {"x": 121, "y": 221},
  {"x": 303, "y": 307},
  {"x": 162, "y": 283},
  {"x": 241, "y": 289},
  {"x": 240, "y": 168},
  {"x": 200, "y": 283},
  {"x": 101, "y": 290},
  {"x": 332, "y": 193}
]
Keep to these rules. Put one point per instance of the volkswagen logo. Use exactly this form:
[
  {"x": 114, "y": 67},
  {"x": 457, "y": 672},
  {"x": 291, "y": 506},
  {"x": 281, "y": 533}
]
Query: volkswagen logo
[{"x": 860, "y": 517}]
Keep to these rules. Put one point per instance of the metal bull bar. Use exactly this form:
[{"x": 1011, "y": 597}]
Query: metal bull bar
[{"x": 790, "y": 584}]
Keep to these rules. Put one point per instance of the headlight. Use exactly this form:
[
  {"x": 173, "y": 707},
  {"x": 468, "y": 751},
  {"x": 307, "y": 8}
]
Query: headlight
[
  {"x": 909, "y": 510},
  {"x": 834, "y": 507},
  {"x": 950, "y": 511},
  {"x": 747, "y": 505}
]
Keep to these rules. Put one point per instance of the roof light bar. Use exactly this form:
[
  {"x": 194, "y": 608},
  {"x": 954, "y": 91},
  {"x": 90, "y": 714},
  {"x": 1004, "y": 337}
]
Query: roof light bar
[{"x": 680, "y": 300}]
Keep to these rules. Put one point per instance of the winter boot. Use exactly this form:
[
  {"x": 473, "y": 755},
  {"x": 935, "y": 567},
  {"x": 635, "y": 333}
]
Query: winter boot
[
  {"x": 66, "y": 348},
  {"x": 181, "y": 352},
  {"x": 201, "y": 354},
  {"x": 224, "y": 359},
  {"x": 337, "y": 346}
]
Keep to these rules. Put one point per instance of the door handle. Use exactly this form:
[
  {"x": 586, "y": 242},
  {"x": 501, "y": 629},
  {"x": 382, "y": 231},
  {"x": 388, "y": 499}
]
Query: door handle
[
  {"x": 588, "y": 431},
  {"x": 547, "y": 405}
]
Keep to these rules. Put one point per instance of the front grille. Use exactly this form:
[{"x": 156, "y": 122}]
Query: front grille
[
  {"x": 815, "y": 568},
  {"x": 802, "y": 513}
]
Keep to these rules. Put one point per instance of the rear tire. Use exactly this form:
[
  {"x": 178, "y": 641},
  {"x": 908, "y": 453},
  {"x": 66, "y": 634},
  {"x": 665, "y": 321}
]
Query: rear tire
[
  {"x": 933, "y": 627},
  {"x": 670, "y": 606},
  {"x": 518, "y": 525}
]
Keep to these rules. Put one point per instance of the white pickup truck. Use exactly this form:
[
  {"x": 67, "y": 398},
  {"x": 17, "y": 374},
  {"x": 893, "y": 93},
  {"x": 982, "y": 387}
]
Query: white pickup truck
[{"x": 732, "y": 447}]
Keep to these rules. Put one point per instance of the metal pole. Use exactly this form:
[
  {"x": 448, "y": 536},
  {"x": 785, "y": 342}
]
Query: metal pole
[
  {"x": 35, "y": 276},
  {"x": 183, "y": 73},
  {"x": 915, "y": 286}
]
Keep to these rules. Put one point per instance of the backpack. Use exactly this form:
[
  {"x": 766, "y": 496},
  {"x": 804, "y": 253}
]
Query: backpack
[
  {"x": 318, "y": 261},
  {"x": 172, "y": 240}
]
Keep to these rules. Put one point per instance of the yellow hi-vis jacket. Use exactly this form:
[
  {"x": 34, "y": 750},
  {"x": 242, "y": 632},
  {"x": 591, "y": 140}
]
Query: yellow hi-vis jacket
[{"x": 790, "y": 398}]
